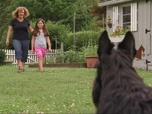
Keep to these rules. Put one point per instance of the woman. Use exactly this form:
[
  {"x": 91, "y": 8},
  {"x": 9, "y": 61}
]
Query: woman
[{"x": 20, "y": 27}]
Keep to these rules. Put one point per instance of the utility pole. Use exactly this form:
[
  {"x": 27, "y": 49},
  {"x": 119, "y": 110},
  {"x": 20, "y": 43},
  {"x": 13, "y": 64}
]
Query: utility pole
[{"x": 74, "y": 38}]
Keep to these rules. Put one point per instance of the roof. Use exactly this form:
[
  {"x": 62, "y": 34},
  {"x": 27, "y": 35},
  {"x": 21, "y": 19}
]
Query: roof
[{"x": 111, "y": 2}]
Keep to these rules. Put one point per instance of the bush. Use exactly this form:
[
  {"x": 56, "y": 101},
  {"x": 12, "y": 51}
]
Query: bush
[
  {"x": 69, "y": 56},
  {"x": 58, "y": 33},
  {"x": 89, "y": 50},
  {"x": 2, "y": 57},
  {"x": 72, "y": 56},
  {"x": 82, "y": 39}
]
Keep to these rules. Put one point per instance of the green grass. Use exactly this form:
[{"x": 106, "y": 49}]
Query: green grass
[{"x": 57, "y": 90}]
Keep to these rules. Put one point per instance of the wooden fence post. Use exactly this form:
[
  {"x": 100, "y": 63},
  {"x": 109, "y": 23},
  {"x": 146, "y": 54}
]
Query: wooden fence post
[{"x": 62, "y": 52}]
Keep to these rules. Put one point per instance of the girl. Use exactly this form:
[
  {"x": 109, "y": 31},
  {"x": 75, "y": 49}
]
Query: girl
[{"x": 40, "y": 39}]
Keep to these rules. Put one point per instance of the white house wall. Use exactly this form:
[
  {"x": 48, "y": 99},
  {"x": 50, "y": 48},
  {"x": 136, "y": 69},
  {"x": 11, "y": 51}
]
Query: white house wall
[
  {"x": 144, "y": 16},
  {"x": 144, "y": 23}
]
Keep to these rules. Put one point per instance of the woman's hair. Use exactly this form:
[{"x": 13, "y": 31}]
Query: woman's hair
[
  {"x": 36, "y": 29},
  {"x": 15, "y": 13}
]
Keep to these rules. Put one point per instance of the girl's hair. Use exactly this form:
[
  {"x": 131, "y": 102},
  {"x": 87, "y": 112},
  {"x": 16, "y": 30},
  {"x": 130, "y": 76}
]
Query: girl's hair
[
  {"x": 36, "y": 29},
  {"x": 15, "y": 13}
]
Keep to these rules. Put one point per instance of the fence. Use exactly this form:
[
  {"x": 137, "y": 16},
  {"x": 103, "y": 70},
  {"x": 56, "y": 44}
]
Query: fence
[{"x": 32, "y": 58}]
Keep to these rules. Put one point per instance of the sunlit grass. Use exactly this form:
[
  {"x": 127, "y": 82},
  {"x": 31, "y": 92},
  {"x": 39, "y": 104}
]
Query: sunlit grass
[
  {"x": 57, "y": 90},
  {"x": 146, "y": 75}
]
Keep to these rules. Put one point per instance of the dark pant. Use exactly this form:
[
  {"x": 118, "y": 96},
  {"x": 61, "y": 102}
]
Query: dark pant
[{"x": 21, "y": 49}]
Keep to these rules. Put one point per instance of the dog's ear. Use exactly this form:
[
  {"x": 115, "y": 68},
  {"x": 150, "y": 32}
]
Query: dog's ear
[
  {"x": 105, "y": 46},
  {"x": 128, "y": 44}
]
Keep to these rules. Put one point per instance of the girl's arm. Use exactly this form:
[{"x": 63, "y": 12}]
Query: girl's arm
[
  {"x": 49, "y": 43},
  {"x": 32, "y": 43},
  {"x": 10, "y": 29}
]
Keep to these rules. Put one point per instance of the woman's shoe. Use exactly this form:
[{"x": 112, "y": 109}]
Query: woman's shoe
[{"x": 20, "y": 70}]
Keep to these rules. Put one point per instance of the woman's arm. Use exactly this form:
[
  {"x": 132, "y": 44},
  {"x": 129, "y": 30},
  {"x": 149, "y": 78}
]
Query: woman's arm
[
  {"x": 10, "y": 29},
  {"x": 30, "y": 29}
]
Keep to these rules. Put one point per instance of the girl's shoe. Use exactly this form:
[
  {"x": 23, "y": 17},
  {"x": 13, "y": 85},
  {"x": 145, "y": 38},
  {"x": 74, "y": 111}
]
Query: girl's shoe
[{"x": 41, "y": 70}]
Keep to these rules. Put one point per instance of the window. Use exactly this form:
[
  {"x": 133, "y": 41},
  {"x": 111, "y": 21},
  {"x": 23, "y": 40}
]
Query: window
[{"x": 126, "y": 17}]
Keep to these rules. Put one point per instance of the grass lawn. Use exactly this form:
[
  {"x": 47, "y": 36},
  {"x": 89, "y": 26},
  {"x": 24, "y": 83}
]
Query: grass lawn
[{"x": 57, "y": 90}]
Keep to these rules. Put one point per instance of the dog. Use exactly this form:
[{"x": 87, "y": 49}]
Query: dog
[{"x": 117, "y": 88}]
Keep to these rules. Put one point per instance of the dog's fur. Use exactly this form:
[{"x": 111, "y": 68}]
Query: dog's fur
[{"x": 117, "y": 87}]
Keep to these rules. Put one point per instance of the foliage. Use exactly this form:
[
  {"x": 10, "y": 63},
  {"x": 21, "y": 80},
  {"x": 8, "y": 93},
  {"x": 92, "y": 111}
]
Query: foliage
[
  {"x": 58, "y": 58},
  {"x": 69, "y": 56},
  {"x": 59, "y": 17},
  {"x": 100, "y": 14},
  {"x": 3, "y": 42},
  {"x": 2, "y": 57},
  {"x": 90, "y": 50},
  {"x": 58, "y": 33},
  {"x": 6, "y": 8},
  {"x": 72, "y": 56},
  {"x": 82, "y": 39},
  {"x": 54, "y": 10},
  {"x": 61, "y": 11}
]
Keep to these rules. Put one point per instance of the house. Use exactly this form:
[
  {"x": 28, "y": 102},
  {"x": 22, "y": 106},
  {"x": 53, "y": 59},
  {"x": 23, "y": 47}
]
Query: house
[{"x": 135, "y": 15}]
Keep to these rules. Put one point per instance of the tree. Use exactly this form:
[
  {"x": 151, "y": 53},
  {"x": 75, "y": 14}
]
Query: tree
[
  {"x": 59, "y": 12},
  {"x": 5, "y": 8}
]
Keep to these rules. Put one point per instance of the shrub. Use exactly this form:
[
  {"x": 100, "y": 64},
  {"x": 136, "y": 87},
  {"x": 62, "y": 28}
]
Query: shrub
[
  {"x": 90, "y": 50},
  {"x": 58, "y": 33},
  {"x": 82, "y": 39},
  {"x": 2, "y": 57},
  {"x": 70, "y": 56}
]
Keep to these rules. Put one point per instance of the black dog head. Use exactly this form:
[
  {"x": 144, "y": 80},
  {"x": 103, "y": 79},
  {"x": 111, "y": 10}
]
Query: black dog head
[
  {"x": 117, "y": 85},
  {"x": 114, "y": 60},
  {"x": 127, "y": 46}
]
